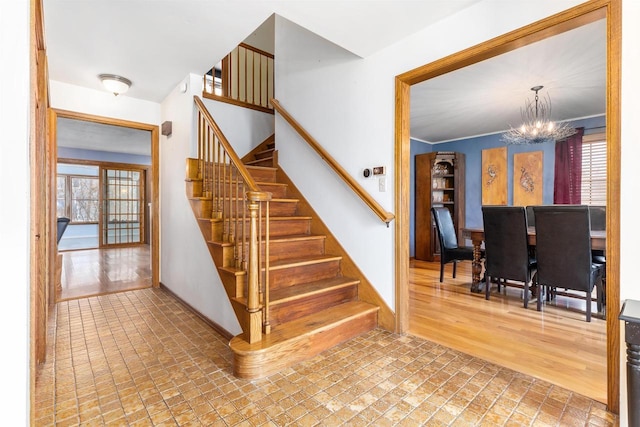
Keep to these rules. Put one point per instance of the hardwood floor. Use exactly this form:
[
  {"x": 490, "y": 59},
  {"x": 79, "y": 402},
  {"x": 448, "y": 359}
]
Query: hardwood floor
[
  {"x": 556, "y": 344},
  {"x": 95, "y": 272}
]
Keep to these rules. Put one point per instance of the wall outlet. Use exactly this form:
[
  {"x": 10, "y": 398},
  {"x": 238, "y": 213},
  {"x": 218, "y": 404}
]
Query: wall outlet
[
  {"x": 382, "y": 184},
  {"x": 379, "y": 170}
]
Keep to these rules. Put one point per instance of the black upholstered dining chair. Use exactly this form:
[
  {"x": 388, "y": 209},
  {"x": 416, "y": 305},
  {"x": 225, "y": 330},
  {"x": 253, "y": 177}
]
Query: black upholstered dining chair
[
  {"x": 62, "y": 226},
  {"x": 449, "y": 249},
  {"x": 563, "y": 252},
  {"x": 507, "y": 255},
  {"x": 598, "y": 218}
]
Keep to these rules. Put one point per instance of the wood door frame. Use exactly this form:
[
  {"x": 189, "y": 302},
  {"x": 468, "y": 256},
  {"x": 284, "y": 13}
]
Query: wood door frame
[
  {"x": 155, "y": 172},
  {"x": 550, "y": 26}
]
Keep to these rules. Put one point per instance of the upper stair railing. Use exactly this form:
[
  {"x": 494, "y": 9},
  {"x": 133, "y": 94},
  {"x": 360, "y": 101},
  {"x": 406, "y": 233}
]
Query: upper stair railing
[
  {"x": 246, "y": 79},
  {"x": 385, "y": 216},
  {"x": 241, "y": 208}
]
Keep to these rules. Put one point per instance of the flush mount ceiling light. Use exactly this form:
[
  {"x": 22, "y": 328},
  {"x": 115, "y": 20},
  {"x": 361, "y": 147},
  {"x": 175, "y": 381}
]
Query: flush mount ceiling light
[
  {"x": 537, "y": 126},
  {"x": 114, "y": 83}
]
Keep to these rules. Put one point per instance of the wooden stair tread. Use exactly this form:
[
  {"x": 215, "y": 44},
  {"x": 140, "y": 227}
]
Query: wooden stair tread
[
  {"x": 305, "y": 326},
  {"x": 278, "y": 200},
  {"x": 279, "y": 239},
  {"x": 267, "y": 168},
  {"x": 268, "y": 150},
  {"x": 307, "y": 260},
  {"x": 271, "y": 218},
  {"x": 290, "y": 293},
  {"x": 253, "y": 162},
  {"x": 272, "y": 184},
  {"x": 296, "y": 237}
]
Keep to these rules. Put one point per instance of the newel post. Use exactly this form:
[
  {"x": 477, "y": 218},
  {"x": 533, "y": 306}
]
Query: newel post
[
  {"x": 253, "y": 274},
  {"x": 254, "y": 307}
]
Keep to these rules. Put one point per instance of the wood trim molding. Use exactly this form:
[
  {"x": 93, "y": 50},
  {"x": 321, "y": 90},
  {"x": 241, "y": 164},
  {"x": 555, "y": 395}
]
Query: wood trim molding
[
  {"x": 553, "y": 25},
  {"x": 237, "y": 102},
  {"x": 255, "y": 49},
  {"x": 219, "y": 329},
  {"x": 155, "y": 174},
  {"x": 116, "y": 165}
]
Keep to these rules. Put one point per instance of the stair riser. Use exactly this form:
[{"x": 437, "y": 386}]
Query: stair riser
[
  {"x": 264, "y": 154},
  {"x": 302, "y": 274},
  {"x": 233, "y": 206},
  {"x": 234, "y": 285},
  {"x": 194, "y": 188},
  {"x": 304, "y": 306},
  {"x": 202, "y": 207},
  {"x": 256, "y": 365},
  {"x": 235, "y": 188},
  {"x": 263, "y": 162},
  {"x": 277, "y": 191},
  {"x": 299, "y": 248},
  {"x": 262, "y": 175},
  {"x": 276, "y": 228},
  {"x": 223, "y": 256}
]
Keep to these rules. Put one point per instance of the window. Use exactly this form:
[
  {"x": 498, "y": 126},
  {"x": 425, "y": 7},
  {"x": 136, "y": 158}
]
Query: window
[
  {"x": 594, "y": 169},
  {"x": 78, "y": 198}
]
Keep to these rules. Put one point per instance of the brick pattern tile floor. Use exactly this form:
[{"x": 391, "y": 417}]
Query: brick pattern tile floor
[{"x": 141, "y": 358}]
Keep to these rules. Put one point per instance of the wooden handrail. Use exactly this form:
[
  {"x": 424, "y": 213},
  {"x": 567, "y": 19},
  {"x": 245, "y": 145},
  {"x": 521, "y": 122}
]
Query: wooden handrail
[
  {"x": 246, "y": 79},
  {"x": 246, "y": 176},
  {"x": 385, "y": 216}
]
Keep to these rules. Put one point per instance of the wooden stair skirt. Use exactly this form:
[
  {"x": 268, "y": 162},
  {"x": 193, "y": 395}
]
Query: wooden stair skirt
[{"x": 313, "y": 307}]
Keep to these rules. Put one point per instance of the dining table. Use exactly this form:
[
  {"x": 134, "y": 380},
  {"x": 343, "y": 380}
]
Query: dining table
[{"x": 476, "y": 235}]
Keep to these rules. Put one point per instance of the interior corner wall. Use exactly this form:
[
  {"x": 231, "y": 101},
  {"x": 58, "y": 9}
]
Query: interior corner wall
[
  {"x": 348, "y": 104},
  {"x": 186, "y": 267}
]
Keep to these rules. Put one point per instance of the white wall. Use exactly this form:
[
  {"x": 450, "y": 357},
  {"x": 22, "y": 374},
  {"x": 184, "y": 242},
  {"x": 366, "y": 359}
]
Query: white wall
[
  {"x": 14, "y": 213},
  {"x": 186, "y": 265},
  {"x": 65, "y": 96}
]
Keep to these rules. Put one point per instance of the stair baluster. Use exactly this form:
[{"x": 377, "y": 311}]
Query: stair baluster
[{"x": 233, "y": 193}]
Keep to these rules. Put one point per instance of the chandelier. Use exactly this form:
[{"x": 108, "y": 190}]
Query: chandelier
[{"x": 537, "y": 126}]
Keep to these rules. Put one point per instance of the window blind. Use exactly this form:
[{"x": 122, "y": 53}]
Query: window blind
[{"x": 594, "y": 169}]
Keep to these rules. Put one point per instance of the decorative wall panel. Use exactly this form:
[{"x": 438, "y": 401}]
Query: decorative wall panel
[
  {"x": 527, "y": 178},
  {"x": 494, "y": 176}
]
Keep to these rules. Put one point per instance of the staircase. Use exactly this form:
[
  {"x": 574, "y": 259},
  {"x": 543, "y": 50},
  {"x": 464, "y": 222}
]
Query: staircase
[{"x": 306, "y": 303}]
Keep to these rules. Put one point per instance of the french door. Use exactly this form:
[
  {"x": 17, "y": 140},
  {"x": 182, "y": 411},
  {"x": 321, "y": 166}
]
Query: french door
[{"x": 123, "y": 201}]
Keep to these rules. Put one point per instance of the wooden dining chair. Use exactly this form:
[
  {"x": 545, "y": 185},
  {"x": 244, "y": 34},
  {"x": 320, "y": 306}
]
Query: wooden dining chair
[
  {"x": 507, "y": 248},
  {"x": 450, "y": 252},
  {"x": 563, "y": 252}
]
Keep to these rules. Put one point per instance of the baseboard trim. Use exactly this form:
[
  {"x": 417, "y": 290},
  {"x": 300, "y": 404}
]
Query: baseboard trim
[{"x": 219, "y": 329}]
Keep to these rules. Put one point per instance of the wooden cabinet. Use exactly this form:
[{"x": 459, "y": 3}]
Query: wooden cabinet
[{"x": 439, "y": 182}]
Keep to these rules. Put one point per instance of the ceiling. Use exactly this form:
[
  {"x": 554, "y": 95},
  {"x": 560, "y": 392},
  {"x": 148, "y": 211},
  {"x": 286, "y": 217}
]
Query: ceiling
[
  {"x": 156, "y": 44},
  {"x": 72, "y": 133},
  {"x": 487, "y": 97}
]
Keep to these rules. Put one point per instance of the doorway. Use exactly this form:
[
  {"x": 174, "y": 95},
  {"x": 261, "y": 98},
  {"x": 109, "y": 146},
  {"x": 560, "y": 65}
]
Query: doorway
[
  {"x": 556, "y": 24},
  {"x": 123, "y": 214}
]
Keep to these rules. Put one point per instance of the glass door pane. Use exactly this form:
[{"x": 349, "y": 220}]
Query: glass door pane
[{"x": 123, "y": 202}]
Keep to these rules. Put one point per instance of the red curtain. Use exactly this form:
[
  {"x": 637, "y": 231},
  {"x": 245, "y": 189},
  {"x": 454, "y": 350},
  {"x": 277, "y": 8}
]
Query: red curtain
[{"x": 567, "y": 180}]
